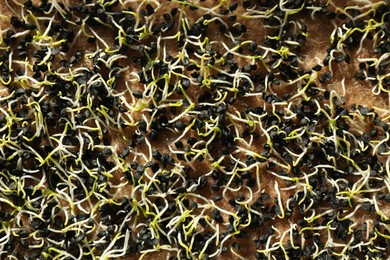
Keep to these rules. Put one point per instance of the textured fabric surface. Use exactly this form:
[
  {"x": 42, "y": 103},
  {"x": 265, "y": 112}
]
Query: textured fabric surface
[{"x": 194, "y": 129}]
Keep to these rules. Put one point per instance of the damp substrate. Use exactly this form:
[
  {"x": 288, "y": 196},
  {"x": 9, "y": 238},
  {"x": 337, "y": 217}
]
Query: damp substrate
[{"x": 194, "y": 129}]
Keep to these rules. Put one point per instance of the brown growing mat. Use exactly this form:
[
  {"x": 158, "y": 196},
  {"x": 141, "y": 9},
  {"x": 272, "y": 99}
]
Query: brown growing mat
[{"x": 194, "y": 129}]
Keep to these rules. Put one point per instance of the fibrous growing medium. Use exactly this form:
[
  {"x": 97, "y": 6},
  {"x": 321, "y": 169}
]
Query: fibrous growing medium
[{"x": 194, "y": 129}]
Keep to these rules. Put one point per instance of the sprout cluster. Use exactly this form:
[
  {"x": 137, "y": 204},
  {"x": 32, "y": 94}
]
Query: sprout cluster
[{"x": 192, "y": 130}]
